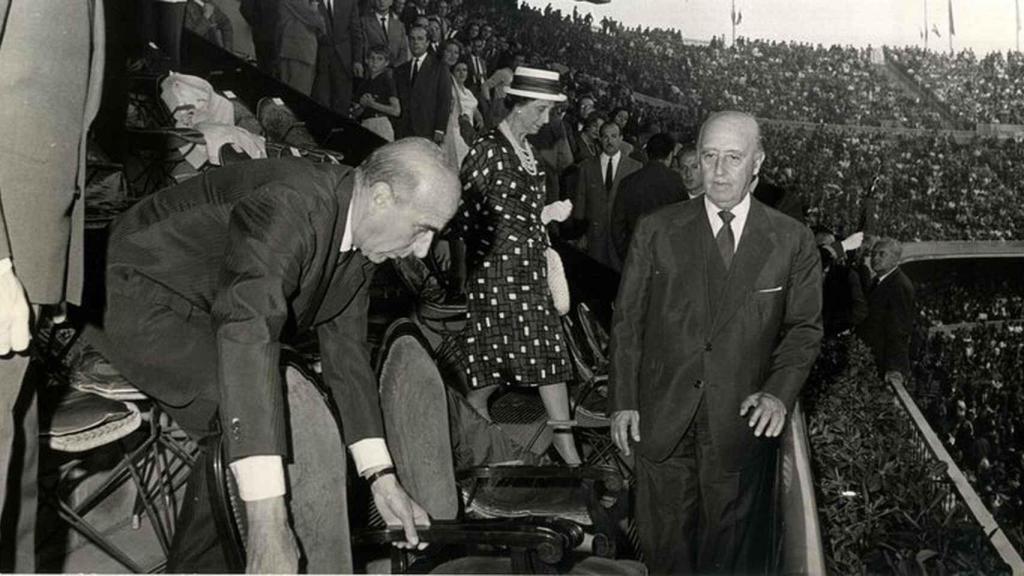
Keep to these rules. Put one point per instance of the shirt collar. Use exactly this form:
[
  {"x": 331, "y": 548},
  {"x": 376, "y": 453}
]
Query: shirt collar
[
  {"x": 346, "y": 238},
  {"x": 739, "y": 212},
  {"x": 887, "y": 274},
  {"x": 614, "y": 157}
]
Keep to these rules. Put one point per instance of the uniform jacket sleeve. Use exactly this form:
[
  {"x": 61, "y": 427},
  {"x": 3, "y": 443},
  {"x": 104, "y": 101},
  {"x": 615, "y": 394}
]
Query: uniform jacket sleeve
[{"x": 627, "y": 339}]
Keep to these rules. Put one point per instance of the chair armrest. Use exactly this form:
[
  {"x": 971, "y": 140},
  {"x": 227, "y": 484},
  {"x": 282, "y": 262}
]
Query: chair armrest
[
  {"x": 550, "y": 539},
  {"x": 609, "y": 477}
]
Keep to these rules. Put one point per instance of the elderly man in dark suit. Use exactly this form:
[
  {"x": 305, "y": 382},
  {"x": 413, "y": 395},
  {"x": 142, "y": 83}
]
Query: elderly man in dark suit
[
  {"x": 205, "y": 281},
  {"x": 425, "y": 91},
  {"x": 890, "y": 320},
  {"x": 716, "y": 326},
  {"x": 51, "y": 60},
  {"x": 644, "y": 191},
  {"x": 339, "y": 59},
  {"x": 596, "y": 188},
  {"x": 382, "y": 28}
]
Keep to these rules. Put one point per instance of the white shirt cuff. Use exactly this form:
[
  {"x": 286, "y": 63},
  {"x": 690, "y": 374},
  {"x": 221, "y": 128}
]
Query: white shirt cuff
[
  {"x": 370, "y": 453},
  {"x": 259, "y": 477}
]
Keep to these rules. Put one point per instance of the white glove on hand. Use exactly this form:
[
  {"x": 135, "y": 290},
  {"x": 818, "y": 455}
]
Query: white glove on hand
[{"x": 556, "y": 211}]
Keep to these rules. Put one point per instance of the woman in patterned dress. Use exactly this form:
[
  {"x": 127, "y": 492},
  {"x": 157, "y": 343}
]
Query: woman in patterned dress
[{"x": 513, "y": 334}]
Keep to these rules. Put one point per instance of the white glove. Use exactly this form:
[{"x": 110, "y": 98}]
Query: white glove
[
  {"x": 556, "y": 211},
  {"x": 853, "y": 241}
]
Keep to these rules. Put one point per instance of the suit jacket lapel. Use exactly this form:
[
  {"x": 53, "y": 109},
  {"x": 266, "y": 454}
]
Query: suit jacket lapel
[
  {"x": 756, "y": 244},
  {"x": 691, "y": 236}
]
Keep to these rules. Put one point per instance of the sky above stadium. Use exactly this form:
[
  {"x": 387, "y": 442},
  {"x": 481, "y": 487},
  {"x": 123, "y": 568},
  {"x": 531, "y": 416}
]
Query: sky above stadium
[{"x": 983, "y": 25}]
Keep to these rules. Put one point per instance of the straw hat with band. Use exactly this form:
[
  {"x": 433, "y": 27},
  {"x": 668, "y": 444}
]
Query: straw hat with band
[{"x": 537, "y": 84}]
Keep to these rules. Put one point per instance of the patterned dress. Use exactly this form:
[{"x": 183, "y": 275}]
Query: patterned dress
[{"x": 513, "y": 334}]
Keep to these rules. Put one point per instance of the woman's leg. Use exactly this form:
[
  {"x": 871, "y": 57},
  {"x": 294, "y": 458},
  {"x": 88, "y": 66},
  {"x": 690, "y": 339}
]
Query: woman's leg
[
  {"x": 478, "y": 398},
  {"x": 556, "y": 401}
]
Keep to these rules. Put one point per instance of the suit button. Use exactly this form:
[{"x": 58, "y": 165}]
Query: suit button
[
  {"x": 698, "y": 384},
  {"x": 236, "y": 429},
  {"x": 707, "y": 346}
]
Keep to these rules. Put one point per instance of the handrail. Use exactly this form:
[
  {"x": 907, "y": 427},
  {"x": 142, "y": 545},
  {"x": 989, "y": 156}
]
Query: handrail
[
  {"x": 802, "y": 548},
  {"x": 970, "y": 497}
]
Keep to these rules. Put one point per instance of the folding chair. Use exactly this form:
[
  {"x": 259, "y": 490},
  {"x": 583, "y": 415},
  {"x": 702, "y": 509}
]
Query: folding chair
[
  {"x": 96, "y": 412},
  {"x": 413, "y": 398}
]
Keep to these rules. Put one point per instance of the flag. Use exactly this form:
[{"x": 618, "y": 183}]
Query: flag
[
  {"x": 739, "y": 17},
  {"x": 952, "y": 28},
  {"x": 935, "y": 30}
]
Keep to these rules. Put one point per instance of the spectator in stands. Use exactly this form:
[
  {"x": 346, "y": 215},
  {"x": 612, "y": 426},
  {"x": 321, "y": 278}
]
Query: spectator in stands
[
  {"x": 513, "y": 335},
  {"x": 494, "y": 87},
  {"x": 262, "y": 15},
  {"x": 703, "y": 395},
  {"x": 596, "y": 189},
  {"x": 425, "y": 91},
  {"x": 471, "y": 120},
  {"x": 843, "y": 303},
  {"x": 477, "y": 66},
  {"x": 620, "y": 116},
  {"x": 207, "y": 20},
  {"x": 589, "y": 140},
  {"x": 162, "y": 22},
  {"x": 377, "y": 97},
  {"x": 890, "y": 319},
  {"x": 382, "y": 28},
  {"x": 412, "y": 10},
  {"x": 454, "y": 145},
  {"x": 51, "y": 71},
  {"x": 201, "y": 335},
  {"x": 646, "y": 190},
  {"x": 299, "y": 25},
  {"x": 339, "y": 60},
  {"x": 688, "y": 167},
  {"x": 434, "y": 37}
]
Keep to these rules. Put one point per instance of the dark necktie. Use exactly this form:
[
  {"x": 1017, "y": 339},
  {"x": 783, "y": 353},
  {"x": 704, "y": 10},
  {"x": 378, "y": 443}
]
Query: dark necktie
[
  {"x": 609, "y": 176},
  {"x": 415, "y": 71},
  {"x": 725, "y": 239},
  {"x": 384, "y": 25}
]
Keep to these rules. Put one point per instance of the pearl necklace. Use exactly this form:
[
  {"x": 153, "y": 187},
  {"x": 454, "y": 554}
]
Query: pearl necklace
[{"x": 525, "y": 153}]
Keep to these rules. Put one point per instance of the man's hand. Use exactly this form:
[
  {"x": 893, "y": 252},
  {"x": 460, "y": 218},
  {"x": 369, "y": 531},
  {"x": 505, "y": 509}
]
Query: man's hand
[
  {"x": 625, "y": 425},
  {"x": 769, "y": 415},
  {"x": 14, "y": 313},
  {"x": 357, "y": 69},
  {"x": 366, "y": 99},
  {"x": 271, "y": 547},
  {"x": 208, "y": 10},
  {"x": 893, "y": 377},
  {"x": 443, "y": 254},
  {"x": 853, "y": 241},
  {"x": 556, "y": 211},
  {"x": 397, "y": 508}
]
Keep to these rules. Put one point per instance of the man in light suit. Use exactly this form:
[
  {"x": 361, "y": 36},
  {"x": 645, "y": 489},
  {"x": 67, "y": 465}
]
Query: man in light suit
[
  {"x": 716, "y": 326},
  {"x": 374, "y": 26},
  {"x": 205, "y": 281},
  {"x": 299, "y": 27},
  {"x": 425, "y": 91},
  {"x": 596, "y": 190},
  {"x": 51, "y": 60},
  {"x": 339, "y": 59}
]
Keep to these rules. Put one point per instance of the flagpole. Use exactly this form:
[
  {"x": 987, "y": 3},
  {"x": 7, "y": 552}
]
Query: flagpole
[
  {"x": 952, "y": 27},
  {"x": 1017, "y": 3},
  {"x": 927, "y": 31},
  {"x": 732, "y": 18}
]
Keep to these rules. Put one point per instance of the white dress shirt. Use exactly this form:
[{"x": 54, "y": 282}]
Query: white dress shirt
[
  {"x": 615, "y": 165},
  {"x": 261, "y": 477},
  {"x": 739, "y": 212}
]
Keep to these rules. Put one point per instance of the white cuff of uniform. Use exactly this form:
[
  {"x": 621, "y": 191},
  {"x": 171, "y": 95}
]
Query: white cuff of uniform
[
  {"x": 259, "y": 477},
  {"x": 370, "y": 453}
]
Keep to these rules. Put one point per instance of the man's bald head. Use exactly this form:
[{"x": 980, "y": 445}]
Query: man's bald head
[
  {"x": 405, "y": 193},
  {"x": 730, "y": 155}
]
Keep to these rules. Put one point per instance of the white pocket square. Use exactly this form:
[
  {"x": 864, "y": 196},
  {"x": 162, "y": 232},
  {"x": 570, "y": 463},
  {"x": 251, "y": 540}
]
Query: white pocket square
[{"x": 770, "y": 290}]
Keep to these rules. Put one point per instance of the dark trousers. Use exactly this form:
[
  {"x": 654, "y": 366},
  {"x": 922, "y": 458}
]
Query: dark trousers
[
  {"x": 169, "y": 352},
  {"x": 332, "y": 86},
  {"x": 694, "y": 517},
  {"x": 162, "y": 23}
]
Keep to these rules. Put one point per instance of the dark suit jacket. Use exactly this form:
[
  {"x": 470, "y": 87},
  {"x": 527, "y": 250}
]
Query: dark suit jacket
[
  {"x": 669, "y": 349},
  {"x": 592, "y": 205},
  {"x": 427, "y": 103},
  {"x": 788, "y": 202},
  {"x": 299, "y": 25},
  {"x": 396, "y": 40},
  {"x": 642, "y": 192},
  {"x": 342, "y": 43},
  {"x": 50, "y": 85},
  {"x": 890, "y": 322},
  {"x": 256, "y": 247}
]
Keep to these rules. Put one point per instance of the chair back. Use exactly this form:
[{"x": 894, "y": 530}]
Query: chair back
[{"x": 415, "y": 411}]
